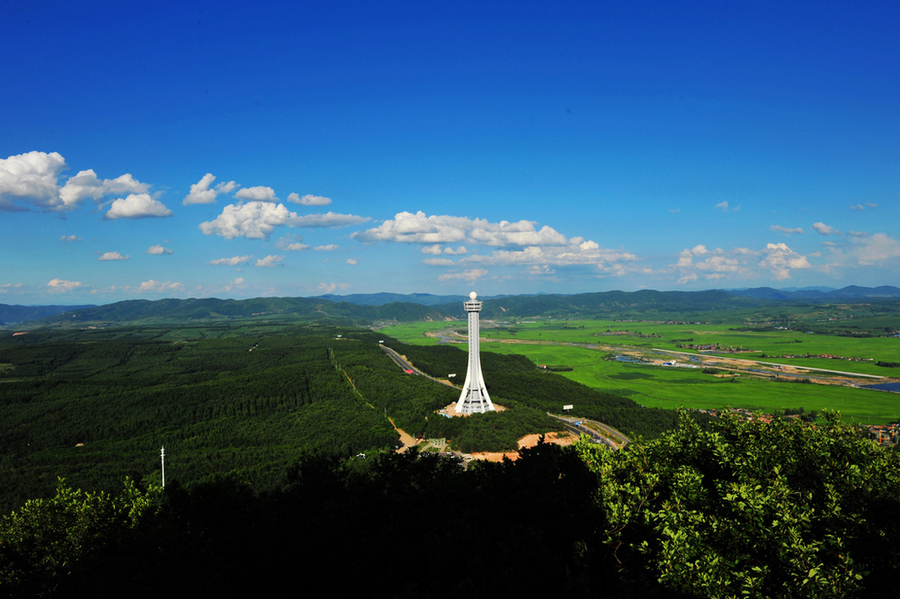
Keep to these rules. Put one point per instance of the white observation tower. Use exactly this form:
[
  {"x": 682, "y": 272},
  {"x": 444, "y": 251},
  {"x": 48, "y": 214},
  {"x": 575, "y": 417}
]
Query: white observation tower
[{"x": 474, "y": 397}]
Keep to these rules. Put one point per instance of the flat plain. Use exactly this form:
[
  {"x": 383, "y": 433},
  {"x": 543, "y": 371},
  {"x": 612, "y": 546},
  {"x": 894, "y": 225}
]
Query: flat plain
[{"x": 586, "y": 350}]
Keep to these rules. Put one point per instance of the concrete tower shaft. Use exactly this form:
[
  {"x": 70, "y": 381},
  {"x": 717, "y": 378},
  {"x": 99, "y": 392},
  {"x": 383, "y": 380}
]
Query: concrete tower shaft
[{"x": 474, "y": 397}]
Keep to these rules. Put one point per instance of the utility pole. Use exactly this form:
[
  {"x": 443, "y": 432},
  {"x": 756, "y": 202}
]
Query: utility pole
[{"x": 162, "y": 457}]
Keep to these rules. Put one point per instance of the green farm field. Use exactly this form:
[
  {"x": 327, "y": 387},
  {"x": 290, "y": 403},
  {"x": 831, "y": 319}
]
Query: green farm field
[{"x": 586, "y": 346}]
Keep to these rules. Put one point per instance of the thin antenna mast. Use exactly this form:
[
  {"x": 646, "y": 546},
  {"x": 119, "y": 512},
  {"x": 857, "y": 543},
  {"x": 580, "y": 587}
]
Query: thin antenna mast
[{"x": 162, "y": 457}]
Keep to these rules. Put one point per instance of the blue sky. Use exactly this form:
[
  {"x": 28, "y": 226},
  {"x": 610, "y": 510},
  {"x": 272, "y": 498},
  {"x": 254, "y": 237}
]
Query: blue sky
[{"x": 235, "y": 150}]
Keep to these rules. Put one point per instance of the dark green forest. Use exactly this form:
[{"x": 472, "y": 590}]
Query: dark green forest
[
  {"x": 246, "y": 401},
  {"x": 739, "y": 509}
]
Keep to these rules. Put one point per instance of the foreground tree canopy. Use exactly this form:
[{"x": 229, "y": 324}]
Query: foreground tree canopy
[{"x": 742, "y": 509}]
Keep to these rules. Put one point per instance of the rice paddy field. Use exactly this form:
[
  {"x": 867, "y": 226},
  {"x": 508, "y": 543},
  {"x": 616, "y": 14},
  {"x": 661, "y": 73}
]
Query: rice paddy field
[{"x": 586, "y": 351}]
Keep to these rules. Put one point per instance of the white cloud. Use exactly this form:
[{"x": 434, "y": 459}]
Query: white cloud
[
  {"x": 719, "y": 264},
  {"x": 352, "y": 261},
  {"x": 202, "y": 193},
  {"x": 434, "y": 250},
  {"x": 332, "y": 287},
  {"x": 439, "y": 262},
  {"x": 329, "y": 219},
  {"x": 577, "y": 253},
  {"x": 407, "y": 227},
  {"x": 230, "y": 261},
  {"x": 724, "y": 207},
  {"x": 781, "y": 259},
  {"x": 295, "y": 247},
  {"x": 877, "y": 248},
  {"x": 471, "y": 275},
  {"x": 309, "y": 200},
  {"x": 139, "y": 205},
  {"x": 257, "y": 194},
  {"x": 253, "y": 220},
  {"x": 327, "y": 248},
  {"x": 61, "y": 285},
  {"x": 269, "y": 261},
  {"x": 31, "y": 178},
  {"x": 158, "y": 250},
  {"x": 457, "y": 252},
  {"x": 86, "y": 185},
  {"x": 786, "y": 230},
  {"x": 292, "y": 243},
  {"x": 5, "y": 287},
  {"x": 825, "y": 229},
  {"x": 69, "y": 238},
  {"x": 152, "y": 286},
  {"x": 110, "y": 256}
]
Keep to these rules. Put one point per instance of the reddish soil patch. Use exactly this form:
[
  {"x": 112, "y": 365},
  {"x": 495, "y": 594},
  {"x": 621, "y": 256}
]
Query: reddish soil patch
[{"x": 560, "y": 438}]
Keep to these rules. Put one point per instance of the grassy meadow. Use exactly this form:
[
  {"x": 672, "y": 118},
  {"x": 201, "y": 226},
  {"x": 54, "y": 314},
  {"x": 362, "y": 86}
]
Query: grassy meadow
[{"x": 586, "y": 346}]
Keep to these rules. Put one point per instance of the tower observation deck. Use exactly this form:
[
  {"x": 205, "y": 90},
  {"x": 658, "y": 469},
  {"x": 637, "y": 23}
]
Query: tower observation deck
[{"x": 474, "y": 397}]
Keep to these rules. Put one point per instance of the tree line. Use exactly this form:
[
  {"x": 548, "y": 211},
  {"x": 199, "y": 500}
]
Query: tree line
[{"x": 739, "y": 508}]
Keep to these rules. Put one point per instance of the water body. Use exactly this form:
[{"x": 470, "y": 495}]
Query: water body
[
  {"x": 629, "y": 360},
  {"x": 892, "y": 387}
]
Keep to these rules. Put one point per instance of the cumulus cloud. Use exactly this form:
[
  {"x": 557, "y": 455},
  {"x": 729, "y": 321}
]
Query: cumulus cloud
[
  {"x": 781, "y": 259},
  {"x": 137, "y": 205},
  {"x": 327, "y": 248},
  {"x": 158, "y": 250},
  {"x": 152, "y": 286},
  {"x": 407, "y": 227},
  {"x": 110, "y": 256},
  {"x": 295, "y": 247},
  {"x": 825, "y": 229},
  {"x": 576, "y": 253},
  {"x": 434, "y": 250},
  {"x": 257, "y": 220},
  {"x": 253, "y": 220},
  {"x": 352, "y": 261},
  {"x": 234, "y": 261},
  {"x": 786, "y": 230},
  {"x": 70, "y": 238},
  {"x": 309, "y": 200},
  {"x": 471, "y": 275},
  {"x": 713, "y": 264},
  {"x": 86, "y": 185},
  {"x": 60, "y": 285},
  {"x": 292, "y": 243},
  {"x": 724, "y": 207},
  {"x": 30, "y": 178},
  {"x": 202, "y": 192},
  {"x": 257, "y": 194},
  {"x": 269, "y": 261}
]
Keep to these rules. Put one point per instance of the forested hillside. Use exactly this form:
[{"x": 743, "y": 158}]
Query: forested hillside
[
  {"x": 746, "y": 509},
  {"x": 249, "y": 401},
  {"x": 94, "y": 406}
]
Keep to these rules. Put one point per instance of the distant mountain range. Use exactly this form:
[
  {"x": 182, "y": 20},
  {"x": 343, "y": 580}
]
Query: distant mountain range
[
  {"x": 368, "y": 308},
  {"x": 17, "y": 314},
  {"x": 820, "y": 293}
]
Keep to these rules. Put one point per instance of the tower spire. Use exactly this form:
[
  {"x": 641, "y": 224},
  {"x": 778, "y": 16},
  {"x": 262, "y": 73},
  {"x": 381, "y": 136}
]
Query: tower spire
[{"x": 474, "y": 397}]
